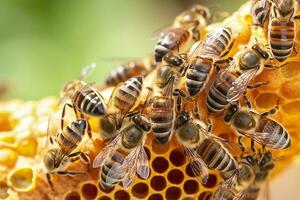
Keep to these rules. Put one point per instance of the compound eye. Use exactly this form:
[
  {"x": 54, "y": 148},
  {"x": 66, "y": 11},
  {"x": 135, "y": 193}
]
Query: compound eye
[{"x": 249, "y": 159}]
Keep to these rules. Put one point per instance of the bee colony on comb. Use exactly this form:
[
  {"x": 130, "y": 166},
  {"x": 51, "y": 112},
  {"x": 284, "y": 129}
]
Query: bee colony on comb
[{"x": 211, "y": 114}]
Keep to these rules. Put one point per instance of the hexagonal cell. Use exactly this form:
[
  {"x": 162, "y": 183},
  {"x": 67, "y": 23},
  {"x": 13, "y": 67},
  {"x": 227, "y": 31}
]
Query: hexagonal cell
[
  {"x": 121, "y": 195},
  {"x": 72, "y": 196},
  {"x": 177, "y": 157},
  {"x": 291, "y": 69},
  {"x": 160, "y": 164},
  {"x": 267, "y": 100},
  {"x": 175, "y": 176},
  {"x": 89, "y": 191},
  {"x": 291, "y": 89},
  {"x": 205, "y": 196},
  {"x": 291, "y": 108},
  {"x": 211, "y": 182},
  {"x": 5, "y": 124},
  {"x": 21, "y": 179},
  {"x": 140, "y": 190},
  {"x": 173, "y": 193},
  {"x": 156, "y": 197},
  {"x": 189, "y": 171},
  {"x": 191, "y": 186},
  {"x": 159, "y": 148},
  {"x": 158, "y": 183}
]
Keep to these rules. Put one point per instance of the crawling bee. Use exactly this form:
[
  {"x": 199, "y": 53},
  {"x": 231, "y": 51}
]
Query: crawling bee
[
  {"x": 203, "y": 150},
  {"x": 215, "y": 45},
  {"x": 252, "y": 174},
  {"x": 281, "y": 29},
  {"x": 231, "y": 83},
  {"x": 257, "y": 127},
  {"x": 260, "y": 10},
  {"x": 125, "y": 156},
  {"x": 63, "y": 149}
]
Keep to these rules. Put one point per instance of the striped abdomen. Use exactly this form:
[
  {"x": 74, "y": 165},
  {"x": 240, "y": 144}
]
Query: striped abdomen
[
  {"x": 125, "y": 72},
  {"x": 72, "y": 135},
  {"x": 110, "y": 174},
  {"x": 171, "y": 40},
  {"x": 216, "y": 99},
  {"x": 260, "y": 10},
  {"x": 127, "y": 94},
  {"x": 218, "y": 42},
  {"x": 198, "y": 74},
  {"x": 162, "y": 117},
  {"x": 224, "y": 193},
  {"x": 276, "y": 133},
  {"x": 215, "y": 156},
  {"x": 281, "y": 38},
  {"x": 89, "y": 102}
]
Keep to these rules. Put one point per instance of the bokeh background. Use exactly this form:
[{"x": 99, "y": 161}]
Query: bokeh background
[{"x": 44, "y": 44}]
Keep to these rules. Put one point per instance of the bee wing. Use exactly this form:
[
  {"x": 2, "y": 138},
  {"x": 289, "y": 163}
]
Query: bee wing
[
  {"x": 49, "y": 129},
  {"x": 240, "y": 85},
  {"x": 241, "y": 195},
  {"x": 107, "y": 152},
  {"x": 143, "y": 164},
  {"x": 220, "y": 191},
  {"x": 86, "y": 70},
  {"x": 198, "y": 166}
]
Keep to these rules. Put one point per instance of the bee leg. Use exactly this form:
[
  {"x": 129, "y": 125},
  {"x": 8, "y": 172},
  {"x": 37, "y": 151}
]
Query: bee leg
[
  {"x": 243, "y": 149},
  {"x": 196, "y": 111},
  {"x": 63, "y": 114},
  {"x": 272, "y": 111},
  {"x": 257, "y": 84},
  {"x": 86, "y": 159},
  {"x": 217, "y": 64},
  {"x": 247, "y": 102},
  {"x": 52, "y": 140},
  {"x": 49, "y": 180},
  {"x": 89, "y": 131},
  {"x": 68, "y": 173},
  {"x": 253, "y": 146}
]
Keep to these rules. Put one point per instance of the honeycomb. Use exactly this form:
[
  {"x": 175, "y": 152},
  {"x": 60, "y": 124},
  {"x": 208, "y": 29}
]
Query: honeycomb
[{"x": 23, "y": 131}]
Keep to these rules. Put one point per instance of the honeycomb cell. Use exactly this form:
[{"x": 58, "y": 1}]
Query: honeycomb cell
[
  {"x": 191, "y": 187},
  {"x": 160, "y": 164},
  {"x": 211, "y": 182},
  {"x": 173, "y": 193},
  {"x": 291, "y": 89},
  {"x": 27, "y": 147},
  {"x": 5, "y": 124},
  {"x": 267, "y": 100},
  {"x": 291, "y": 69},
  {"x": 156, "y": 197},
  {"x": 205, "y": 196},
  {"x": 104, "y": 198},
  {"x": 175, "y": 176},
  {"x": 89, "y": 191},
  {"x": 21, "y": 179},
  {"x": 140, "y": 190},
  {"x": 177, "y": 157},
  {"x": 292, "y": 108},
  {"x": 159, "y": 148},
  {"x": 72, "y": 196},
  {"x": 8, "y": 158},
  {"x": 189, "y": 171},
  {"x": 121, "y": 195},
  {"x": 3, "y": 190},
  {"x": 158, "y": 183}
]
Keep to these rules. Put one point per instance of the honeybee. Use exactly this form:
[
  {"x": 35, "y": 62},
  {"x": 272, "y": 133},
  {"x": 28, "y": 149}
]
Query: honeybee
[
  {"x": 125, "y": 156},
  {"x": 231, "y": 83},
  {"x": 257, "y": 127},
  {"x": 215, "y": 45},
  {"x": 202, "y": 149},
  {"x": 281, "y": 29},
  {"x": 123, "y": 98},
  {"x": 64, "y": 151},
  {"x": 251, "y": 174},
  {"x": 260, "y": 10}
]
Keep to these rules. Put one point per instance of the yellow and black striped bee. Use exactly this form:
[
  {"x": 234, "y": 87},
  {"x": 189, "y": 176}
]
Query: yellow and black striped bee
[
  {"x": 251, "y": 176},
  {"x": 231, "y": 83},
  {"x": 260, "y": 10},
  {"x": 258, "y": 127},
  {"x": 214, "y": 46},
  {"x": 125, "y": 156},
  {"x": 202, "y": 149},
  {"x": 64, "y": 149},
  {"x": 281, "y": 29}
]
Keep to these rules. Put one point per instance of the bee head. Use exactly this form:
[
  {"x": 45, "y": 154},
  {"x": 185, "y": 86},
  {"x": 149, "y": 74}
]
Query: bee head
[
  {"x": 69, "y": 88},
  {"x": 202, "y": 11},
  {"x": 266, "y": 162},
  {"x": 142, "y": 122},
  {"x": 50, "y": 159},
  {"x": 232, "y": 109},
  {"x": 80, "y": 125},
  {"x": 173, "y": 60},
  {"x": 182, "y": 118},
  {"x": 285, "y": 7},
  {"x": 260, "y": 50}
]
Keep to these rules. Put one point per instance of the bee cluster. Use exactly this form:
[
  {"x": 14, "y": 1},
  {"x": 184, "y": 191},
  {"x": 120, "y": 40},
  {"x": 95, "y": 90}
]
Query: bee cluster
[{"x": 192, "y": 78}]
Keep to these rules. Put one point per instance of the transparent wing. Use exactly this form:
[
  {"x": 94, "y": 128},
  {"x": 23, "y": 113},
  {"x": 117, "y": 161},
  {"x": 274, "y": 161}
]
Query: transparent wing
[
  {"x": 221, "y": 192},
  {"x": 241, "y": 195},
  {"x": 143, "y": 164},
  {"x": 198, "y": 166},
  {"x": 86, "y": 71},
  {"x": 107, "y": 152},
  {"x": 240, "y": 85}
]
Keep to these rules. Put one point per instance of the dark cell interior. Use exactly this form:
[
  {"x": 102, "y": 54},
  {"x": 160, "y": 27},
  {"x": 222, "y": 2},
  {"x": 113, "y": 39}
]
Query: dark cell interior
[
  {"x": 205, "y": 196},
  {"x": 189, "y": 171},
  {"x": 155, "y": 197},
  {"x": 191, "y": 187},
  {"x": 158, "y": 183},
  {"x": 140, "y": 190},
  {"x": 173, "y": 193},
  {"x": 160, "y": 164},
  {"x": 121, "y": 195},
  {"x": 89, "y": 191},
  {"x": 177, "y": 157},
  {"x": 104, "y": 198},
  {"x": 105, "y": 190},
  {"x": 73, "y": 196},
  {"x": 212, "y": 181},
  {"x": 175, "y": 176},
  {"x": 159, "y": 148}
]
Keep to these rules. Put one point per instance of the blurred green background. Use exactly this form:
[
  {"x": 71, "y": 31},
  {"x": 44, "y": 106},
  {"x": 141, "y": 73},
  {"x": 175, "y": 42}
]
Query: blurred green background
[{"x": 44, "y": 44}]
